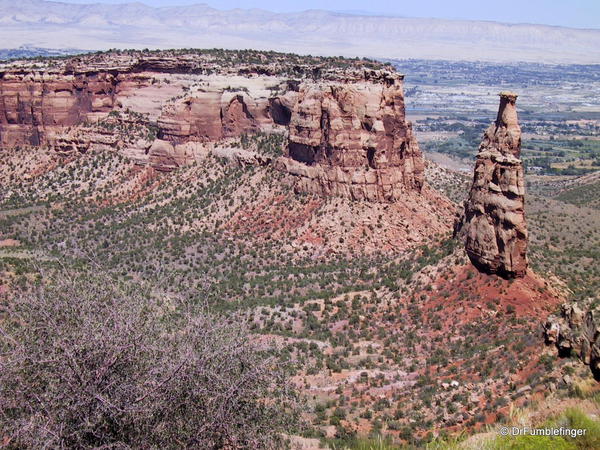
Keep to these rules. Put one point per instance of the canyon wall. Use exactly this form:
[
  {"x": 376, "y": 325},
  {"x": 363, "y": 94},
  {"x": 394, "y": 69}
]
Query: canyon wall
[
  {"x": 494, "y": 226},
  {"x": 353, "y": 140},
  {"x": 36, "y": 106},
  {"x": 348, "y": 135},
  {"x": 36, "y": 103}
]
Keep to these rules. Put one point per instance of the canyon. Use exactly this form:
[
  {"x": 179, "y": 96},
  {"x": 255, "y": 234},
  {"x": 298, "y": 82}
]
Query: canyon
[
  {"x": 344, "y": 122},
  {"x": 292, "y": 191}
]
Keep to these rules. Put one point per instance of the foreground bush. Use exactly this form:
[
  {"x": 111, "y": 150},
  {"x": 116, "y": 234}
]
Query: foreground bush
[{"x": 85, "y": 363}]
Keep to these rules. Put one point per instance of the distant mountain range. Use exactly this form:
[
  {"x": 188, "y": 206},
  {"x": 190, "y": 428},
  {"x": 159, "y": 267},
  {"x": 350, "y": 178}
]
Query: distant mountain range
[{"x": 38, "y": 23}]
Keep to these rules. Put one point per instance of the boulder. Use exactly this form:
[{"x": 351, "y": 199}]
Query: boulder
[{"x": 576, "y": 332}]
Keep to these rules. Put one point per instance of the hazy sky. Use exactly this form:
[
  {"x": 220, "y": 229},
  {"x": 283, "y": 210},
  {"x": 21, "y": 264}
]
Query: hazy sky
[{"x": 572, "y": 13}]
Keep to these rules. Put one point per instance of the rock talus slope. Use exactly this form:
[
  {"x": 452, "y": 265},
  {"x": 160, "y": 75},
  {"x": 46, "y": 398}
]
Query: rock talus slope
[
  {"x": 576, "y": 332},
  {"x": 494, "y": 225}
]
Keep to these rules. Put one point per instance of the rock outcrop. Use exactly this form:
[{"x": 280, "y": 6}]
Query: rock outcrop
[
  {"x": 211, "y": 116},
  {"x": 353, "y": 140},
  {"x": 190, "y": 95},
  {"x": 576, "y": 332},
  {"x": 493, "y": 225},
  {"x": 34, "y": 103},
  {"x": 348, "y": 134}
]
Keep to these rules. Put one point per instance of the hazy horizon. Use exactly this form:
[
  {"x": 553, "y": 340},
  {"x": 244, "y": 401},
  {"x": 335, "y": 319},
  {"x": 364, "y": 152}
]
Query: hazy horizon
[
  {"x": 583, "y": 14},
  {"x": 101, "y": 26}
]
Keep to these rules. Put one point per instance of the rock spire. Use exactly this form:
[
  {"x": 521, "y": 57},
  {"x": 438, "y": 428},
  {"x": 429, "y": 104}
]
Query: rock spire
[{"x": 494, "y": 223}]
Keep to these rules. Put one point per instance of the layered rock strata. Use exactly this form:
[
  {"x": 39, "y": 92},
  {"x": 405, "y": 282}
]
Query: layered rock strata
[
  {"x": 348, "y": 134},
  {"x": 494, "y": 224},
  {"x": 192, "y": 95},
  {"x": 32, "y": 104},
  {"x": 353, "y": 140},
  {"x": 576, "y": 332}
]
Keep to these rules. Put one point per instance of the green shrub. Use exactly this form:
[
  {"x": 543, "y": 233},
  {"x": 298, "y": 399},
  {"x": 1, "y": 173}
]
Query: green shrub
[
  {"x": 528, "y": 442},
  {"x": 575, "y": 418}
]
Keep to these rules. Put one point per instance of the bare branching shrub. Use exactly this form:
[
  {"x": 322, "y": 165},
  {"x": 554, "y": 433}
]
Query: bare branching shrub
[{"x": 86, "y": 363}]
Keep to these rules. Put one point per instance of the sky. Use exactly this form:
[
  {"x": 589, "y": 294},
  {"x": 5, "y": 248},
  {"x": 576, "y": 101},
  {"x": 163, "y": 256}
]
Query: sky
[{"x": 570, "y": 13}]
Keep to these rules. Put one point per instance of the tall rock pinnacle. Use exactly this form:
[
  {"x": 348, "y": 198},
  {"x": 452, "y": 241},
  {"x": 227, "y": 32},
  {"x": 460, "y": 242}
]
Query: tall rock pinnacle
[{"x": 494, "y": 223}]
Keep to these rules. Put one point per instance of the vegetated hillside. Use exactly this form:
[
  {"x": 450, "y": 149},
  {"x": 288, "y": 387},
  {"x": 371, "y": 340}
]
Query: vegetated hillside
[
  {"x": 386, "y": 325},
  {"x": 135, "y": 217},
  {"x": 583, "y": 191},
  {"x": 565, "y": 232},
  {"x": 389, "y": 328},
  {"x": 565, "y": 241}
]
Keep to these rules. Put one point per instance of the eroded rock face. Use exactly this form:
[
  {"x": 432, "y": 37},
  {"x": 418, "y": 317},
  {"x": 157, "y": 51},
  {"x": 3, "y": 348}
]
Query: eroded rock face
[
  {"x": 576, "y": 332},
  {"x": 353, "y": 140},
  {"x": 494, "y": 224},
  {"x": 348, "y": 134},
  {"x": 33, "y": 104},
  {"x": 211, "y": 116}
]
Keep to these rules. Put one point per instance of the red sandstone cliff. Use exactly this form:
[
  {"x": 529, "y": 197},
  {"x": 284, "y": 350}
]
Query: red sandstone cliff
[
  {"x": 494, "y": 223},
  {"x": 177, "y": 93},
  {"x": 34, "y": 103},
  {"x": 353, "y": 140},
  {"x": 348, "y": 135}
]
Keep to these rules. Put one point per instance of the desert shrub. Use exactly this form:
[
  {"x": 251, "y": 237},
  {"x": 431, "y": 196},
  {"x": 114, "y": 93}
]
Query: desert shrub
[{"x": 87, "y": 363}]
